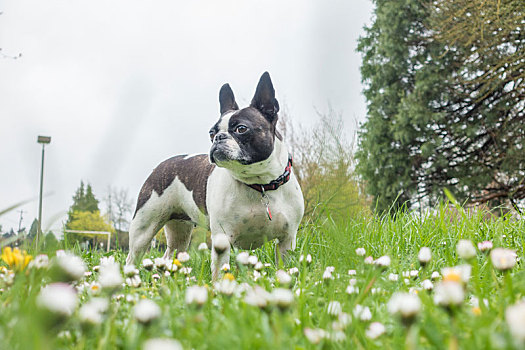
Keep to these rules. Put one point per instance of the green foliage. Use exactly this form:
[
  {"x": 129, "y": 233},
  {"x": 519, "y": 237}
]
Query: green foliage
[
  {"x": 88, "y": 221},
  {"x": 391, "y": 56},
  {"x": 324, "y": 166},
  {"x": 33, "y": 230},
  {"x": 83, "y": 201},
  {"x": 50, "y": 242},
  {"x": 432, "y": 122}
]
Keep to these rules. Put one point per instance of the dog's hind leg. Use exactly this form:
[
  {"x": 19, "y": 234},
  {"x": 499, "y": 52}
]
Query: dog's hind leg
[
  {"x": 178, "y": 236},
  {"x": 140, "y": 235}
]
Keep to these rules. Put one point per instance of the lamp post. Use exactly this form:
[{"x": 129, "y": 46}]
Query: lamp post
[{"x": 44, "y": 140}]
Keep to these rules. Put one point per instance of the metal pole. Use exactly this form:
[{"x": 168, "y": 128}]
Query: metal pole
[{"x": 39, "y": 232}]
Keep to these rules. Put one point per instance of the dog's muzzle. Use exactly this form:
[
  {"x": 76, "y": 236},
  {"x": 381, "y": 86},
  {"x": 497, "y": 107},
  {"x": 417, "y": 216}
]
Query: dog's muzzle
[{"x": 218, "y": 153}]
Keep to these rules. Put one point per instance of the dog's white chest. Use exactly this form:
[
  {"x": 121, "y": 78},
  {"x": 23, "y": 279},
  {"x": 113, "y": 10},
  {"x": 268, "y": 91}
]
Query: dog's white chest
[
  {"x": 251, "y": 227},
  {"x": 240, "y": 213}
]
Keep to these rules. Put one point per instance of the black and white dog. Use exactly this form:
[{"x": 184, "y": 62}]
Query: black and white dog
[{"x": 245, "y": 190}]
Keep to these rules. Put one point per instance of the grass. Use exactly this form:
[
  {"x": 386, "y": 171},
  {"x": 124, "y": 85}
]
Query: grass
[{"x": 228, "y": 322}]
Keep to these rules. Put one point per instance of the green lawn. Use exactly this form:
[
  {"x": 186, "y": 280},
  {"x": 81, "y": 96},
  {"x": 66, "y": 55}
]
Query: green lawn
[{"x": 479, "y": 320}]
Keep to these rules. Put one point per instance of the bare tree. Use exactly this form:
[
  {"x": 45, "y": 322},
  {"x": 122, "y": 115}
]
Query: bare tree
[
  {"x": 324, "y": 164},
  {"x": 119, "y": 207}
]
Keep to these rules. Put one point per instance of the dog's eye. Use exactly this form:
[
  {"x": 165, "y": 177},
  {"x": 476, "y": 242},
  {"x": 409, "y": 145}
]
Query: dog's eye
[
  {"x": 241, "y": 129},
  {"x": 212, "y": 135}
]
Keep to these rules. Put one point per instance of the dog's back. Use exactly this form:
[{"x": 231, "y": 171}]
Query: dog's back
[{"x": 190, "y": 171}]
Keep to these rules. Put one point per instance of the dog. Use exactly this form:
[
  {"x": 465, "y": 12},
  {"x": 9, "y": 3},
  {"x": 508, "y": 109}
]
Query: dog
[{"x": 244, "y": 190}]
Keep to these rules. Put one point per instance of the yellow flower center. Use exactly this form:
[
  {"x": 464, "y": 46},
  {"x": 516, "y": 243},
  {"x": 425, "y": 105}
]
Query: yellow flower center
[
  {"x": 452, "y": 277},
  {"x": 229, "y": 276},
  {"x": 476, "y": 310}
]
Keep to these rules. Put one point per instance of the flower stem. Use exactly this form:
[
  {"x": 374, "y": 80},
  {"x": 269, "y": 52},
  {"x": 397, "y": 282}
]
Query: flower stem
[{"x": 508, "y": 284}]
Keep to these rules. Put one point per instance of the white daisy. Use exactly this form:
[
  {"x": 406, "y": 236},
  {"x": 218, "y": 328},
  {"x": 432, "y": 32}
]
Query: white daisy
[
  {"x": 58, "y": 298},
  {"x": 282, "y": 297},
  {"x": 448, "y": 293},
  {"x": 110, "y": 277},
  {"x": 485, "y": 246},
  {"x": 146, "y": 311},
  {"x": 242, "y": 258},
  {"x": 334, "y": 308},
  {"x": 93, "y": 311},
  {"x": 147, "y": 264},
  {"x": 393, "y": 277},
  {"x": 360, "y": 251},
  {"x": 352, "y": 290},
  {"x": 406, "y": 305},
  {"x": 257, "y": 296},
  {"x": 253, "y": 260},
  {"x": 293, "y": 271},
  {"x": 283, "y": 277},
  {"x": 41, "y": 261},
  {"x": 383, "y": 261},
  {"x": 183, "y": 257},
  {"x": 162, "y": 344},
  {"x": 427, "y": 284},
  {"x": 424, "y": 256},
  {"x": 225, "y": 286},
  {"x": 375, "y": 330},
  {"x": 308, "y": 259},
  {"x": 314, "y": 335},
  {"x": 362, "y": 312},
  {"x": 515, "y": 317},
  {"x": 130, "y": 270},
  {"x": 196, "y": 295},
  {"x": 68, "y": 267},
  {"x": 160, "y": 263},
  {"x": 503, "y": 259},
  {"x": 465, "y": 249}
]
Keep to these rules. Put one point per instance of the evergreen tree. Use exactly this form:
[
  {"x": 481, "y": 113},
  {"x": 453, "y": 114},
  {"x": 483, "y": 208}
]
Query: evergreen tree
[
  {"x": 432, "y": 123},
  {"x": 393, "y": 51},
  {"x": 83, "y": 201},
  {"x": 33, "y": 230},
  {"x": 90, "y": 202},
  {"x": 78, "y": 198}
]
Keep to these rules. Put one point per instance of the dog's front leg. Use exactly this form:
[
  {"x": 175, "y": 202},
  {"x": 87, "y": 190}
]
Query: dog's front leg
[
  {"x": 220, "y": 253},
  {"x": 282, "y": 251}
]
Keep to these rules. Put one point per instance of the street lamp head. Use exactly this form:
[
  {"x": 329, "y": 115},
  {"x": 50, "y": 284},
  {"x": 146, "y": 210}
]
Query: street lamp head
[{"x": 44, "y": 139}]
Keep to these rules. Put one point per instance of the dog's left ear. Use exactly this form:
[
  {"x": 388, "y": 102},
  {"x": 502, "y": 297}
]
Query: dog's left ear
[
  {"x": 226, "y": 99},
  {"x": 264, "y": 99}
]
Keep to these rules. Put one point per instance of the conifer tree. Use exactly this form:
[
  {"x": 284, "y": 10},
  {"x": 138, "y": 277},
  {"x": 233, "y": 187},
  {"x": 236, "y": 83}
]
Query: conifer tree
[
  {"x": 445, "y": 110},
  {"x": 83, "y": 201},
  {"x": 90, "y": 202}
]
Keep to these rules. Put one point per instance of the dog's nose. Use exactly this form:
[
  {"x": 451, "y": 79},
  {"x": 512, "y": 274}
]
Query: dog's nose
[{"x": 221, "y": 136}]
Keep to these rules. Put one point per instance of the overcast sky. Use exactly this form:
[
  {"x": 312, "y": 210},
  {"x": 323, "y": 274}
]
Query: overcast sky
[{"x": 122, "y": 85}]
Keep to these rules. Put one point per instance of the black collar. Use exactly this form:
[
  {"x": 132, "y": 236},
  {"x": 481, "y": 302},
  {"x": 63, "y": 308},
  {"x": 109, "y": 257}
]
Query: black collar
[{"x": 274, "y": 184}]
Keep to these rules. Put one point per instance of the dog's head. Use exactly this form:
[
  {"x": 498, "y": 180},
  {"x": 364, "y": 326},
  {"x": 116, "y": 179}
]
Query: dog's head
[{"x": 245, "y": 136}]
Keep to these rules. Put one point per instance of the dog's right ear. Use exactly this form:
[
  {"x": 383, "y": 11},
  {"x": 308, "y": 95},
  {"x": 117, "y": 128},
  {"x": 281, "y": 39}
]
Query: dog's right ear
[{"x": 226, "y": 99}]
